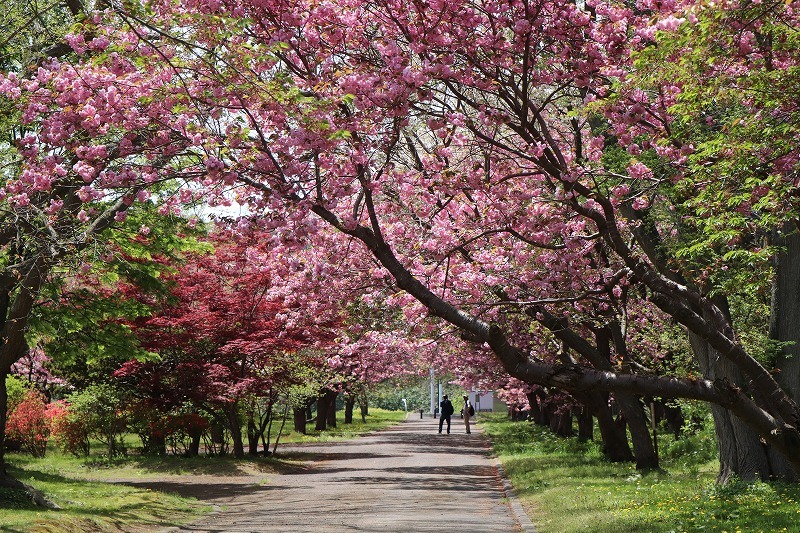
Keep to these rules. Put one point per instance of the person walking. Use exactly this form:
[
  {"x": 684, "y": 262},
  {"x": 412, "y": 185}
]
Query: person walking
[
  {"x": 446, "y": 412},
  {"x": 468, "y": 412}
]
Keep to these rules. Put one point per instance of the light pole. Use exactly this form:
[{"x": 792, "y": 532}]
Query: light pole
[{"x": 433, "y": 398}]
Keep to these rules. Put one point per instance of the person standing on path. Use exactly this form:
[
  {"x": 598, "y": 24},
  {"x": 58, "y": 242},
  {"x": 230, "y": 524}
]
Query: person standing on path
[
  {"x": 468, "y": 412},
  {"x": 446, "y": 412}
]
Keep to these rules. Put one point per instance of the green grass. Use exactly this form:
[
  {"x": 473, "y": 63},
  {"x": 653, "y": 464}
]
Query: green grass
[
  {"x": 87, "y": 505},
  {"x": 567, "y": 486},
  {"x": 89, "y": 502}
]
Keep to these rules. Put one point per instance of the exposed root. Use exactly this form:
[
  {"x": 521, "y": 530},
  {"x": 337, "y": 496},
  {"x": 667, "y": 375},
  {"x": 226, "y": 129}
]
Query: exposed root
[{"x": 36, "y": 496}]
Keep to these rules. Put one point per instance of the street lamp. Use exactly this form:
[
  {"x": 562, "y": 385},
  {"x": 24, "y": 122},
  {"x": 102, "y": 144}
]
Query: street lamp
[{"x": 433, "y": 398}]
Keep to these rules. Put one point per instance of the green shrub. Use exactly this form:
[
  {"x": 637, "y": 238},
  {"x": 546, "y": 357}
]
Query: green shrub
[{"x": 97, "y": 409}]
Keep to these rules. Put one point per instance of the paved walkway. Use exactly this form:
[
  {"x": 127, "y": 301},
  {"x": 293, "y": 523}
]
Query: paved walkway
[{"x": 407, "y": 478}]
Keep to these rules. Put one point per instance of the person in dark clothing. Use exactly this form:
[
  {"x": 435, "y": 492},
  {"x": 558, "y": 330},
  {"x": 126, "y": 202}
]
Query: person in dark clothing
[{"x": 446, "y": 413}]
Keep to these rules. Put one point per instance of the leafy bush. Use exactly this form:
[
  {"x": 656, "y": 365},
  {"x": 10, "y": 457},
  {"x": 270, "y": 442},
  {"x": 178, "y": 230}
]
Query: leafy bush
[
  {"x": 149, "y": 424},
  {"x": 697, "y": 446},
  {"x": 16, "y": 388},
  {"x": 181, "y": 429},
  {"x": 68, "y": 429},
  {"x": 175, "y": 430},
  {"x": 28, "y": 424},
  {"x": 97, "y": 409}
]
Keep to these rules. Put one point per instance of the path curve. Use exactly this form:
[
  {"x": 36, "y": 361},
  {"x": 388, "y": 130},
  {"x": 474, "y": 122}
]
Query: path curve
[{"x": 406, "y": 478}]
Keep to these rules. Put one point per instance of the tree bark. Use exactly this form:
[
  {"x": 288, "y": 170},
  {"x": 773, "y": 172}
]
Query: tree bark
[
  {"x": 234, "y": 424},
  {"x": 785, "y": 310},
  {"x": 670, "y": 414},
  {"x": 560, "y": 422},
  {"x": 252, "y": 436},
  {"x": 322, "y": 412},
  {"x": 631, "y": 406},
  {"x": 157, "y": 443},
  {"x": 349, "y": 403},
  {"x": 740, "y": 450},
  {"x": 537, "y": 414},
  {"x": 3, "y": 414},
  {"x": 585, "y": 424},
  {"x": 784, "y": 326},
  {"x": 363, "y": 405},
  {"x": 299, "y": 419},
  {"x": 614, "y": 437},
  {"x": 330, "y": 397},
  {"x": 194, "y": 446},
  {"x": 615, "y": 440}
]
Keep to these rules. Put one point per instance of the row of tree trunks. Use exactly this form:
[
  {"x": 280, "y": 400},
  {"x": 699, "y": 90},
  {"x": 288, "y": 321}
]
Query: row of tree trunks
[
  {"x": 536, "y": 414},
  {"x": 560, "y": 421},
  {"x": 631, "y": 406},
  {"x": 613, "y": 436},
  {"x": 593, "y": 406},
  {"x": 671, "y": 415}
]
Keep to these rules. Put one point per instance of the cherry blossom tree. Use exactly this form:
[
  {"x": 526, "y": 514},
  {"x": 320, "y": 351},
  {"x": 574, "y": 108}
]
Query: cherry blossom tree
[
  {"x": 490, "y": 160},
  {"x": 447, "y": 139},
  {"x": 83, "y": 143}
]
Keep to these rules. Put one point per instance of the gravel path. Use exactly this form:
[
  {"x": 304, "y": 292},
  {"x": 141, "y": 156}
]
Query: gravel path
[{"x": 407, "y": 478}]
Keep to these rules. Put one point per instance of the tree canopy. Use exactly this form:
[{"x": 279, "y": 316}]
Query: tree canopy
[{"x": 550, "y": 181}]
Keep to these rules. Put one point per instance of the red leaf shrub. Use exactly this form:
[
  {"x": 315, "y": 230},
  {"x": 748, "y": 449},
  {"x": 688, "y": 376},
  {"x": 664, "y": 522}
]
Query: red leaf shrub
[
  {"x": 28, "y": 424},
  {"x": 67, "y": 430}
]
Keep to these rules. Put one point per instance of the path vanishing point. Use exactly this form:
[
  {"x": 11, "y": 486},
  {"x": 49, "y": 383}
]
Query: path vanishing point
[{"x": 407, "y": 478}]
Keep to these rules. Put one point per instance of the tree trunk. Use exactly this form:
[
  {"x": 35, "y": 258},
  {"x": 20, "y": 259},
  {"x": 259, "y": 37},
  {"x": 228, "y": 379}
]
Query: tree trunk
[
  {"x": 349, "y": 403},
  {"x": 670, "y": 414},
  {"x": 363, "y": 405},
  {"x": 740, "y": 450},
  {"x": 234, "y": 424},
  {"x": 585, "y": 424},
  {"x": 194, "y": 446},
  {"x": 537, "y": 413},
  {"x": 157, "y": 443},
  {"x": 3, "y": 413},
  {"x": 784, "y": 327},
  {"x": 644, "y": 451},
  {"x": 564, "y": 427},
  {"x": 615, "y": 439},
  {"x": 322, "y": 412},
  {"x": 560, "y": 423},
  {"x": 330, "y": 397},
  {"x": 217, "y": 432},
  {"x": 252, "y": 436},
  {"x": 299, "y": 419},
  {"x": 630, "y": 405}
]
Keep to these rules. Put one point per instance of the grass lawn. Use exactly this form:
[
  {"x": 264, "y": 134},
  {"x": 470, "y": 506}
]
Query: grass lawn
[
  {"x": 90, "y": 503},
  {"x": 567, "y": 486}
]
